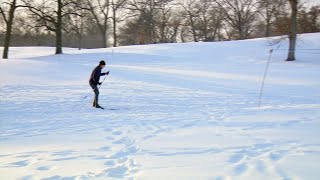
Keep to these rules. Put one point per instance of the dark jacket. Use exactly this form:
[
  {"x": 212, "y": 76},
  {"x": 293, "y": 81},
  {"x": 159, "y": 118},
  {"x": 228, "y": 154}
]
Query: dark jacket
[{"x": 95, "y": 76}]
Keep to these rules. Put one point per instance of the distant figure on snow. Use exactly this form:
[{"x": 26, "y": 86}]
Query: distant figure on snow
[{"x": 94, "y": 82}]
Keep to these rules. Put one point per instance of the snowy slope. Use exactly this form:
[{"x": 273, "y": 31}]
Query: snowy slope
[{"x": 180, "y": 111}]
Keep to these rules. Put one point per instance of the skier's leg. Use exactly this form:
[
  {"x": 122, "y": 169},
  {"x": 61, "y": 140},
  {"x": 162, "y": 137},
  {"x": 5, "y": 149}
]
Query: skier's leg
[{"x": 96, "y": 94}]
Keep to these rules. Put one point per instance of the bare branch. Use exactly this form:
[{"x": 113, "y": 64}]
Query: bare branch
[{"x": 3, "y": 15}]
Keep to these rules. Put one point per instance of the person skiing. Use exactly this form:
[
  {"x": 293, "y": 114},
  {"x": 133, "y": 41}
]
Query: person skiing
[{"x": 94, "y": 82}]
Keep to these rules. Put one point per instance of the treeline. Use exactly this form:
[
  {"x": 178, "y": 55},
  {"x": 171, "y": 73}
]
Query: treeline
[{"x": 105, "y": 23}]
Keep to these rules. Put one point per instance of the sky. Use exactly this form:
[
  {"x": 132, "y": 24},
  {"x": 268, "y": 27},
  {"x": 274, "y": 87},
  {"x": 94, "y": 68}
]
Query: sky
[{"x": 313, "y": 2}]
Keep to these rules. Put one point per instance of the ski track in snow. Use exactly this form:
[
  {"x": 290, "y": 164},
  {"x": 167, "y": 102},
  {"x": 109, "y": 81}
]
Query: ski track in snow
[{"x": 158, "y": 124}]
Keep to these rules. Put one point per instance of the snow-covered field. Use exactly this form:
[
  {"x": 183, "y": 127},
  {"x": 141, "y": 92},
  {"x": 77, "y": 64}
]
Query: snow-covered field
[{"x": 180, "y": 111}]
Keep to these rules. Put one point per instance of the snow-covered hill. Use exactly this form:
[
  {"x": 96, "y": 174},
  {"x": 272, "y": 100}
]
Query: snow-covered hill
[{"x": 173, "y": 111}]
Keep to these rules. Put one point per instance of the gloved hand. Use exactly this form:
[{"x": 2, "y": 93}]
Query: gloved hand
[
  {"x": 107, "y": 73},
  {"x": 99, "y": 83}
]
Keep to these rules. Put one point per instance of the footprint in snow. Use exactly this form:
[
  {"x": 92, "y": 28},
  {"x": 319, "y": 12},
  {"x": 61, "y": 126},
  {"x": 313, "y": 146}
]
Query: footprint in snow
[
  {"x": 236, "y": 158},
  {"x": 276, "y": 156},
  {"x": 124, "y": 140},
  {"x": 45, "y": 168},
  {"x": 19, "y": 164},
  {"x": 118, "y": 172},
  {"x": 108, "y": 129},
  {"x": 63, "y": 153},
  {"x": 122, "y": 160},
  {"x": 58, "y": 177},
  {"x": 240, "y": 169},
  {"x": 221, "y": 178},
  {"x": 124, "y": 153},
  {"x": 104, "y": 148},
  {"x": 109, "y": 138},
  {"x": 110, "y": 163},
  {"x": 117, "y": 133},
  {"x": 261, "y": 166},
  {"x": 148, "y": 137}
]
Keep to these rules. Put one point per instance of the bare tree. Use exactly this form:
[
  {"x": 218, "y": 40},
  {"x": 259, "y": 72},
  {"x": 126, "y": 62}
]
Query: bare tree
[
  {"x": 49, "y": 14},
  {"x": 293, "y": 30},
  {"x": 145, "y": 12},
  {"x": 130, "y": 33},
  {"x": 150, "y": 21},
  {"x": 99, "y": 9},
  {"x": 8, "y": 18},
  {"x": 307, "y": 20},
  {"x": 77, "y": 26},
  {"x": 116, "y": 5},
  {"x": 191, "y": 12},
  {"x": 240, "y": 15},
  {"x": 281, "y": 23},
  {"x": 210, "y": 20},
  {"x": 167, "y": 24},
  {"x": 203, "y": 19},
  {"x": 314, "y": 15},
  {"x": 269, "y": 9}
]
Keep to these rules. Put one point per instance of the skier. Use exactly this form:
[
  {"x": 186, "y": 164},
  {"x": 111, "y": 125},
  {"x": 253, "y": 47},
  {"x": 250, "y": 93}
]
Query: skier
[{"x": 94, "y": 82}]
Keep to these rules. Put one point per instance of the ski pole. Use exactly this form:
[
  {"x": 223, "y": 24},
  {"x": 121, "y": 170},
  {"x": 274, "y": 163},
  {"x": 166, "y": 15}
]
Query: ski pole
[
  {"x": 264, "y": 77},
  {"x": 82, "y": 99}
]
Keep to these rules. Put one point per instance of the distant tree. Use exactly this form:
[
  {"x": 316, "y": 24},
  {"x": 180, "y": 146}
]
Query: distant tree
[
  {"x": 2, "y": 22},
  {"x": 76, "y": 24},
  {"x": 240, "y": 16},
  {"x": 116, "y": 5},
  {"x": 269, "y": 10},
  {"x": 293, "y": 29},
  {"x": 307, "y": 19},
  {"x": 281, "y": 25},
  {"x": 145, "y": 12},
  {"x": 203, "y": 19},
  {"x": 166, "y": 23},
  {"x": 210, "y": 20},
  {"x": 303, "y": 21},
  {"x": 99, "y": 10},
  {"x": 191, "y": 13},
  {"x": 150, "y": 21},
  {"x": 314, "y": 15},
  {"x": 8, "y": 17},
  {"x": 49, "y": 14},
  {"x": 131, "y": 33}
]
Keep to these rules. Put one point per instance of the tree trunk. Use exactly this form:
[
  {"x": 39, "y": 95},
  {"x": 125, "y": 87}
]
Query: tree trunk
[
  {"x": 293, "y": 30},
  {"x": 9, "y": 30},
  {"x": 59, "y": 29},
  {"x": 240, "y": 31},
  {"x": 104, "y": 39},
  {"x": 80, "y": 41},
  {"x": 114, "y": 28},
  {"x": 268, "y": 28},
  {"x": 80, "y": 33},
  {"x": 193, "y": 30}
]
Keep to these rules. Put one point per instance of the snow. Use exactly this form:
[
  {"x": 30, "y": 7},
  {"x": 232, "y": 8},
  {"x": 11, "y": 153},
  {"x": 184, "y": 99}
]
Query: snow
[{"x": 173, "y": 111}]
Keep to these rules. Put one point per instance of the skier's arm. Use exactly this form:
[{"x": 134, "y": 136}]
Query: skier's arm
[{"x": 107, "y": 73}]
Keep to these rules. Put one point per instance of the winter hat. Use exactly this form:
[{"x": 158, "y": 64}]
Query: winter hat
[{"x": 102, "y": 62}]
